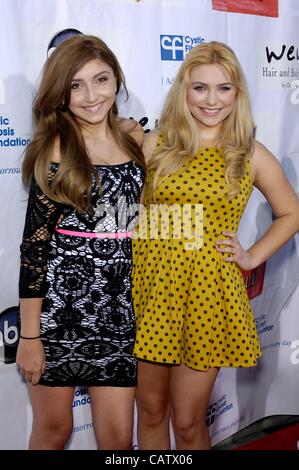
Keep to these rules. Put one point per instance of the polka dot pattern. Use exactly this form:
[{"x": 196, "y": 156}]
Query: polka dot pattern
[{"x": 192, "y": 307}]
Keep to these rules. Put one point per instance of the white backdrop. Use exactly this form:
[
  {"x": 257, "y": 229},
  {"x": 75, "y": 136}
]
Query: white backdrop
[{"x": 150, "y": 38}]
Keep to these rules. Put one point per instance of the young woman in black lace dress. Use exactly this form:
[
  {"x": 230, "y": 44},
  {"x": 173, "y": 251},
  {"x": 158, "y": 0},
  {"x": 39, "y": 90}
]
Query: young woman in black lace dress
[{"x": 86, "y": 173}]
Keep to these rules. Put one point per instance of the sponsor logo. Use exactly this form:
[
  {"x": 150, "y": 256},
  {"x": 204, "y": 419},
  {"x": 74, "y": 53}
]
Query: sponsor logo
[
  {"x": 278, "y": 66},
  {"x": 175, "y": 47},
  {"x": 144, "y": 121},
  {"x": 290, "y": 52},
  {"x": 254, "y": 280},
  {"x": 10, "y": 171},
  {"x": 252, "y": 7},
  {"x": 83, "y": 427},
  {"x": 61, "y": 36},
  {"x": 172, "y": 47},
  {"x": 81, "y": 397},
  {"x": 261, "y": 324},
  {"x": 8, "y": 137},
  {"x": 217, "y": 408},
  {"x": 9, "y": 336}
]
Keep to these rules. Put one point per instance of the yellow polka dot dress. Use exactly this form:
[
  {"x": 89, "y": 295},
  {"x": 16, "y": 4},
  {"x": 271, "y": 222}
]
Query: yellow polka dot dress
[{"x": 191, "y": 306}]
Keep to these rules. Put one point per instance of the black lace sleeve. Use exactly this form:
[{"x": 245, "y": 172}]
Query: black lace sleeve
[{"x": 41, "y": 218}]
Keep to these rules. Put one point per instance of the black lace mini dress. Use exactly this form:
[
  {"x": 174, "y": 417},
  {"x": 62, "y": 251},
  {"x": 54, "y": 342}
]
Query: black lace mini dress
[{"x": 87, "y": 319}]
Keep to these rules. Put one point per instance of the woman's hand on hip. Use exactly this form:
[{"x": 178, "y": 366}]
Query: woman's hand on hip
[{"x": 234, "y": 252}]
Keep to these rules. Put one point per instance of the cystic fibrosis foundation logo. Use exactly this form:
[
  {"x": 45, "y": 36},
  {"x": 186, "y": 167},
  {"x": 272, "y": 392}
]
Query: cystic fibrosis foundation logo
[
  {"x": 81, "y": 397},
  {"x": 175, "y": 47},
  {"x": 8, "y": 137},
  {"x": 9, "y": 336},
  {"x": 262, "y": 325},
  {"x": 216, "y": 409}
]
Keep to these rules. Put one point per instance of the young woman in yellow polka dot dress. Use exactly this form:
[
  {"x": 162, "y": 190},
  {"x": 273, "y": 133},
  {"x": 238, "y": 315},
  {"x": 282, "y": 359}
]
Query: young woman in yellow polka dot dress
[{"x": 191, "y": 305}]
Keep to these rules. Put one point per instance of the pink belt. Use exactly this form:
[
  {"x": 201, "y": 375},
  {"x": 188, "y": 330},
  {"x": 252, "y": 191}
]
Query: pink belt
[{"x": 73, "y": 233}]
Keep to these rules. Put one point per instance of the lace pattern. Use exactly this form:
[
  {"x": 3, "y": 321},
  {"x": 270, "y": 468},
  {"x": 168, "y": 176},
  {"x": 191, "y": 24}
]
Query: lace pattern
[{"x": 87, "y": 318}]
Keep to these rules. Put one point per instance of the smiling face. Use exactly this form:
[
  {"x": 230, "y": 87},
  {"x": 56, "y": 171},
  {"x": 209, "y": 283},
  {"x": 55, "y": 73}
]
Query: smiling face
[
  {"x": 93, "y": 92},
  {"x": 210, "y": 96}
]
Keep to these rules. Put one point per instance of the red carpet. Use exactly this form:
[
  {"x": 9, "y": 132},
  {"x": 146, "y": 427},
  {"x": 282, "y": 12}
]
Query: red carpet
[{"x": 284, "y": 439}]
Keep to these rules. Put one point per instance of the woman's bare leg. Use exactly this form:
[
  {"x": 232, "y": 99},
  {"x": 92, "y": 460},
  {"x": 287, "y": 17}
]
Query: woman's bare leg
[
  {"x": 190, "y": 391},
  {"x": 52, "y": 416},
  {"x": 153, "y": 405},
  {"x": 113, "y": 416}
]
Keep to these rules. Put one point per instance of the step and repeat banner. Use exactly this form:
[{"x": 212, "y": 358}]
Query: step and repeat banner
[{"x": 150, "y": 39}]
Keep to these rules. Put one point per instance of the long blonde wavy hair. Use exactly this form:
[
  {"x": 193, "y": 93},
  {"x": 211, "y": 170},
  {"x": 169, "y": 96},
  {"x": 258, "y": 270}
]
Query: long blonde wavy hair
[
  {"x": 180, "y": 131},
  {"x": 71, "y": 184}
]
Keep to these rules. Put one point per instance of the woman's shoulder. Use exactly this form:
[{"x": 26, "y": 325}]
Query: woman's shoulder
[
  {"x": 261, "y": 153},
  {"x": 262, "y": 160},
  {"x": 259, "y": 149}
]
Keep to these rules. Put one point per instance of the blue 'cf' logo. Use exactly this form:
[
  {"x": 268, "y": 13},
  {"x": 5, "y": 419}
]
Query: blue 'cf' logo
[{"x": 172, "y": 47}]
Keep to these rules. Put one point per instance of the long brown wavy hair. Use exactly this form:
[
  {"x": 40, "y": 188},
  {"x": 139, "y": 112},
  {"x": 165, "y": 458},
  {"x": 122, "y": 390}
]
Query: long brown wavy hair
[
  {"x": 71, "y": 184},
  {"x": 180, "y": 131}
]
